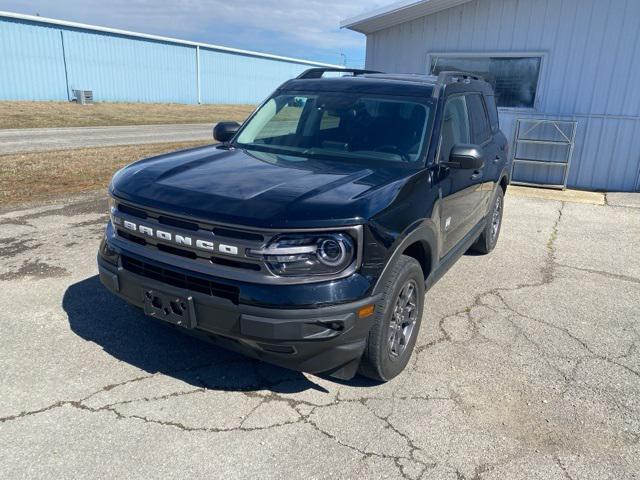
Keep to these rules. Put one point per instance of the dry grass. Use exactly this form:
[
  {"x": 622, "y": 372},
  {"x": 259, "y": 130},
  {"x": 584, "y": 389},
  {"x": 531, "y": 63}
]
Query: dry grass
[
  {"x": 37, "y": 176},
  {"x": 65, "y": 114}
]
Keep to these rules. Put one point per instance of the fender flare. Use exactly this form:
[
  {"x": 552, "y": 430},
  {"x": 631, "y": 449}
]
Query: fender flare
[
  {"x": 426, "y": 233},
  {"x": 506, "y": 173}
]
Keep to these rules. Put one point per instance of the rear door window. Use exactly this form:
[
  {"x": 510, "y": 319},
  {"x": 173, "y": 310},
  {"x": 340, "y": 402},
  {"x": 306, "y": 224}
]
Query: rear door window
[
  {"x": 492, "y": 111},
  {"x": 480, "y": 127}
]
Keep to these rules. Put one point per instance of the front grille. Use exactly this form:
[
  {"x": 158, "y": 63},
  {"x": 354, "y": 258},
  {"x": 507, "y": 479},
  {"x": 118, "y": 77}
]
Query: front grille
[
  {"x": 132, "y": 238},
  {"x": 225, "y": 232},
  {"x": 242, "y": 239},
  {"x": 176, "y": 251},
  {"x": 235, "y": 264},
  {"x": 174, "y": 222},
  {"x": 134, "y": 212},
  {"x": 180, "y": 280},
  {"x": 221, "y": 251}
]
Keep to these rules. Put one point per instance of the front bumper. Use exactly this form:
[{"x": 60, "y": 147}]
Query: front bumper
[{"x": 329, "y": 339}]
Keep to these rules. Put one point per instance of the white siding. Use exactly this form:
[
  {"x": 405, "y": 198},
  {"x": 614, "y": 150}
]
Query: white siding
[{"x": 591, "y": 70}]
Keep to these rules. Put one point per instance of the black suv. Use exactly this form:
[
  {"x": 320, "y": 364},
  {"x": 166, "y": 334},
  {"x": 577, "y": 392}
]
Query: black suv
[{"x": 309, "y": 235}]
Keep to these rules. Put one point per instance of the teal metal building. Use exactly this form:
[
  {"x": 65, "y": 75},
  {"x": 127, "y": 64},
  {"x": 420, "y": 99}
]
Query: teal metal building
[{"x": 46, "y": 59}]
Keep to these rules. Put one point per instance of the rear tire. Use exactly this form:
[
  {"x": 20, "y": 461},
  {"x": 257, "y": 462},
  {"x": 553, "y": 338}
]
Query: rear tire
[
  {"x": 398, "y": 316},
  {"x": 489, "y": 237}
]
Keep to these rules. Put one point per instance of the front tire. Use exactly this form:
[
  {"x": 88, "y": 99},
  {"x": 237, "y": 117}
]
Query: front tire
[
  {"x": 489, "y": 237},
  {"x": 398, "y": 316}
]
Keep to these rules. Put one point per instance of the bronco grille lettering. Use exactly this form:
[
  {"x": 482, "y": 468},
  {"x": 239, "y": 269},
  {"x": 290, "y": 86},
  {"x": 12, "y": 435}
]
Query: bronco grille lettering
[{"x": 177, "y": 238}]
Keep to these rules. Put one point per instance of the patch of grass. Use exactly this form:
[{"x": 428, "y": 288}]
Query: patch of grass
[
  {"x": 26, "y": 177},
  {"x": 66, "y": 114}
]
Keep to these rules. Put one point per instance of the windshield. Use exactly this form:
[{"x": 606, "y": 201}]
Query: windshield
[{"x": 342, "y": 126}]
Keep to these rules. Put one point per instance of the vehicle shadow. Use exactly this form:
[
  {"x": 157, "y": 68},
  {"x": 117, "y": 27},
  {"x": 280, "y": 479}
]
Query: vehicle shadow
[{"x": 125, "y": 333}]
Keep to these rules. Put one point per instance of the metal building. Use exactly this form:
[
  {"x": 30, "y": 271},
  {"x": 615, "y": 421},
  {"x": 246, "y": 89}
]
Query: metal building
[
  {"x": 576, "y": 62},
  {"x": 46, "y": 59}
]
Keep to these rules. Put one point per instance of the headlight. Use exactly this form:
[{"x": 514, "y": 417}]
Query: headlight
[
  {"x": 308, "y": 254},
  {"x": 107, "y": 253},
  {"x": 113, "y": 206}
]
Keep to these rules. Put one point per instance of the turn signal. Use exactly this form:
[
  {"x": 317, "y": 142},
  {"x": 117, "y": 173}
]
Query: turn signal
[{"x": 367, "y": 311}]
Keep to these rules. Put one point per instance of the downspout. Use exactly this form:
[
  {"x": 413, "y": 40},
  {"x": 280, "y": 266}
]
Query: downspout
[
  {"x": 64, "y": 62},
  {"x": 198, "y": 72}
]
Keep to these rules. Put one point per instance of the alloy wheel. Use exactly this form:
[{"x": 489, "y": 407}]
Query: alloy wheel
[
  {"x": 496, "y": 218},
  {"x": 403, "y": 319}
]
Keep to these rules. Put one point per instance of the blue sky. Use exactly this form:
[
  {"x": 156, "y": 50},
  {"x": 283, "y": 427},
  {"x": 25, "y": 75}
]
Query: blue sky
[{"x": 296, "y": 28}]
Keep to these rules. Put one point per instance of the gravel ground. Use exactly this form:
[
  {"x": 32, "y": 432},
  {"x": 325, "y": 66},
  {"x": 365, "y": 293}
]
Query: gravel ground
[
  {"x": 45, "y": 139},
  {"x": 527, "y": 367}
]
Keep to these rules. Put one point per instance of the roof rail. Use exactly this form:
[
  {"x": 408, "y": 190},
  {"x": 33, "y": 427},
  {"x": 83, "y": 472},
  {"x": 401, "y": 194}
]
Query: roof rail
[
  {"x": 451, "y": 76},
  {"x": 318, "y": 72}
]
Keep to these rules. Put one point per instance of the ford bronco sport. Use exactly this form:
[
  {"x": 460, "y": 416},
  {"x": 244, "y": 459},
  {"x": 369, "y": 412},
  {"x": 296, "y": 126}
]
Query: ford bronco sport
[{"x": 308, "y": 236}]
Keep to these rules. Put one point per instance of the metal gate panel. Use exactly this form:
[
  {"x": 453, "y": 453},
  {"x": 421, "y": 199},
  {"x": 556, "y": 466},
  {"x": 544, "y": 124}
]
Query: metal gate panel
[{"x": 542, "y": 152}]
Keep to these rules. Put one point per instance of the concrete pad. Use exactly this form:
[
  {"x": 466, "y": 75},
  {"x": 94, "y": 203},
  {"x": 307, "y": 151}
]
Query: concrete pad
[
  {"x": 599, "y": 239},
  {"x": 568, "y": 195},
  {"x": 623, "y": 199}
]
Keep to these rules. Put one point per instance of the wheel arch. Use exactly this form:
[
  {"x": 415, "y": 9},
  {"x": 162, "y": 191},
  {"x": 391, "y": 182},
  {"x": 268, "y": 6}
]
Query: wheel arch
[
  {"x": 420, "y": 244},
  {"x": 504, "y": 183},
  {"x": 420, "y": 251}
]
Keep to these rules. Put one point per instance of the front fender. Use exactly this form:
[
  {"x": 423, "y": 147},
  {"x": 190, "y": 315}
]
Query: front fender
[{"x": 426, "y": 233}]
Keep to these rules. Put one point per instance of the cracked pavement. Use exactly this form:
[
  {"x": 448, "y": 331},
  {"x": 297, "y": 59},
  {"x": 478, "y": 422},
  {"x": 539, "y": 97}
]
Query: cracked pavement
[{"x": 527, "y": 366}]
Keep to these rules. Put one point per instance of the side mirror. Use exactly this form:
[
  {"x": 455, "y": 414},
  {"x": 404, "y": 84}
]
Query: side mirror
[
  {"x": 224, "y": 131},
  {"x": 466, "y": 157}
]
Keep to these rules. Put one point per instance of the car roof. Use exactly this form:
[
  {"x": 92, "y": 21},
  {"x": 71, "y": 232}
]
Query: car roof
[
  {"x": 377, "y": 83},
  {"x": 397, "y": 84}
]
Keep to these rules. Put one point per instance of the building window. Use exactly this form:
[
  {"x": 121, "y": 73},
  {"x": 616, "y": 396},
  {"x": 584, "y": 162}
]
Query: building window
[{"x": 514, "y": 79}]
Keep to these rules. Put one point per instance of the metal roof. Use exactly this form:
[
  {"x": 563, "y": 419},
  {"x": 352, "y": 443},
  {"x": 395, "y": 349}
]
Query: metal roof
[
  {"x": 96, "y": 28},
  {"x": 396, "y": 13}
]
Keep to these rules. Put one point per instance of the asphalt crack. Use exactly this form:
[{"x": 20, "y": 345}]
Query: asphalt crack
[
  {"x": 565, "y": 472},
  {"x": 413, "y": 448},
  {"x": 577, "y": 339},
  {"x": 614, "y": 276}
]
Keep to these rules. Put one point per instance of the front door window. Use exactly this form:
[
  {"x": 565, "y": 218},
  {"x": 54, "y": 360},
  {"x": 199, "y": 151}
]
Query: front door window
[{"x": 455, "y": 126}]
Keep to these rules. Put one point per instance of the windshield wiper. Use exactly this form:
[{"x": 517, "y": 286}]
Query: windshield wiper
[{"x": 270, "y": 149}]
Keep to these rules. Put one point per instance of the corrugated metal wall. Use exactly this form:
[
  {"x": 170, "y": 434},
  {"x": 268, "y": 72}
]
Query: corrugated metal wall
[
  {"x": 128, "y": 70},
  {"x": 590, "y": 71},
  {"x": 39, "y": 60},
  {"x": 241, "y": 79},
  {"x": 31, "y": 65}
]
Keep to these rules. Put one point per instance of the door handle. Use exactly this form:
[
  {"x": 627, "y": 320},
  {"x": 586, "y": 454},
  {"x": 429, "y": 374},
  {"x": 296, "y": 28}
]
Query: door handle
[
  {"x": 497, "y": 159},
  {"x": 476, "y": 175}
]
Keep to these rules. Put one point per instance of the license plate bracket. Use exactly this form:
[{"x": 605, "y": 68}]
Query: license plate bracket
[{"x": 170, "y": 308}]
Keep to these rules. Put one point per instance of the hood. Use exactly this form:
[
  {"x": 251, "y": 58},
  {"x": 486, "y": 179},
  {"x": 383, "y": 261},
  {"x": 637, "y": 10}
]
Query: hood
[{"x": 258, "y": 189}]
